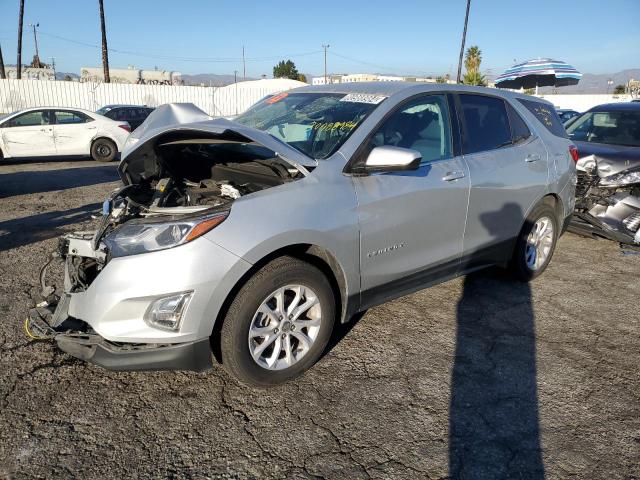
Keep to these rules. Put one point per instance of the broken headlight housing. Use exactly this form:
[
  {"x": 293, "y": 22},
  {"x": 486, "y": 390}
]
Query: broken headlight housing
[{"x": 136, "y": 237}]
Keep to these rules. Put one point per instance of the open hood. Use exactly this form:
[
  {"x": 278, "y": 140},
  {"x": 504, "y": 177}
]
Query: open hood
[
  {"x": 186, "y": 118},
  {"x": 611, "y": 159}
]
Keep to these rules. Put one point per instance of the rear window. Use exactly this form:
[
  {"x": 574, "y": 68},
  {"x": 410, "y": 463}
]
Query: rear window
[
  {"x": 519, "y": 129},
  {"x": 486, "y": 123},
  {"x": 547, "y": 116}
]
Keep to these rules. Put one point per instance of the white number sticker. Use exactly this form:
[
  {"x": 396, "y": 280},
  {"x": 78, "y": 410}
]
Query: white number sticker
[{"x": 363, "y": 98}]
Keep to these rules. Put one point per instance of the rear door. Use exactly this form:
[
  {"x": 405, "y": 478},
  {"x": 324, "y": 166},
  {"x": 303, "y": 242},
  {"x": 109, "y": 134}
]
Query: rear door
[
  {"x": 412, "y": 223},
  {"x": 73, "y": 132},
  {"x": 508, "y": 166},
  {"x": 29, "y": 135}
]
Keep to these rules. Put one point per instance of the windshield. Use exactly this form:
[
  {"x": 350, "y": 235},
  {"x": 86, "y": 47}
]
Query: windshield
[
  {"x": 612, "y": 128},
  {"x": 103, "y": 110},
  {"x": 317, "y": 124}
]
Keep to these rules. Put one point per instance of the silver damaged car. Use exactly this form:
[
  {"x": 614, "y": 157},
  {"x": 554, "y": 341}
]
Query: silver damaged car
[{"x": 243, "y": 242}]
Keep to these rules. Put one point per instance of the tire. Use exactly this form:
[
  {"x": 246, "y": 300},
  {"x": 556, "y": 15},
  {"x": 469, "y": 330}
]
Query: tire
[
  {"x": 522, "y": 266},
  {"x": 238, "y": 351},
  {"x": 103, "y": 150}
]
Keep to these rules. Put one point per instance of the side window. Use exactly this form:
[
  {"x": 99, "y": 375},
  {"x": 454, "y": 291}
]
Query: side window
[
  {"x": 546, "y": 115},
  {"x": 30, "y": 119},
  {"x": 519, "y": 129},
  {"x": 68, "y": 118},
  {"x": 486, "y": 123},
  {"x": 421, "y": 125}
]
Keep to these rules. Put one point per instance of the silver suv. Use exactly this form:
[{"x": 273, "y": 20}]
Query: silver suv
[{"x": 251, "y": 238}]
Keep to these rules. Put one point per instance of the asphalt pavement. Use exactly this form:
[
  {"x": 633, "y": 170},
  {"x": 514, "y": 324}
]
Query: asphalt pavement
[{"x": 478, "y": 377}]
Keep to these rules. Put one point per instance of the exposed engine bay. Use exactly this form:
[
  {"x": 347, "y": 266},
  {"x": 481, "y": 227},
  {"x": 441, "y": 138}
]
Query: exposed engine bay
[{"x": 170, "y": 185}]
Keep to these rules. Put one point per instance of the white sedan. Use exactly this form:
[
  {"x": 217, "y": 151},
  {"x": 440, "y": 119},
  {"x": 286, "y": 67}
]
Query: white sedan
[{"x": 44, "y": 131}]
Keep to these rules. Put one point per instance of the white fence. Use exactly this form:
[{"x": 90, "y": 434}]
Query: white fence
[{"x": 216, "y": 101}]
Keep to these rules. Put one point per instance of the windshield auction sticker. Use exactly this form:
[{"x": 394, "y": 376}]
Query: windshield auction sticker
[{"x": 363, "y": 98}]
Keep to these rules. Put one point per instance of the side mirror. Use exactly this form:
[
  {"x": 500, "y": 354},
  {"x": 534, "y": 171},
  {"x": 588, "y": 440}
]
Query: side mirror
[{"x": 392, "y": 159}]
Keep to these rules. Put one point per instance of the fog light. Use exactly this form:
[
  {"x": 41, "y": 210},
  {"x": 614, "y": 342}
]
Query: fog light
[{"x": 167, "y": 312}]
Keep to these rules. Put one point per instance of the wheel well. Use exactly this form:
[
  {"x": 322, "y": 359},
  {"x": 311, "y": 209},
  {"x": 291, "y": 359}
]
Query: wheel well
[
  {"x": 316, "y": 256},
  {"x": 103, "y": 138},
  {"x": 554, "y": 200}
]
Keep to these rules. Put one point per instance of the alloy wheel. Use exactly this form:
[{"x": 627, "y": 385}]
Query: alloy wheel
[
  {"x": 285, "y": 327},
  {"x": 539, "y": 243}
]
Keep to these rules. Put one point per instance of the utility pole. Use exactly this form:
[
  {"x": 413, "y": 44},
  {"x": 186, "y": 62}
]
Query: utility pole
[
  {"x": 325, "y": 62},
  {"x": 105, "y": 50},
  {"x": 244, "y": 66},
  {"x": 53, "y": 67},
  {"x": 19, "y": 60},
  {"x": 3, "y": 74},
  {"x": 464, "y": 38},
  {"x": 35, "y": 40}
]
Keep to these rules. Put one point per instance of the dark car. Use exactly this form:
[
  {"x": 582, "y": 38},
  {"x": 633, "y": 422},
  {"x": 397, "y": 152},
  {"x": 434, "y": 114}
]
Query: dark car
[
  {"x": 608, "y": 189},
  {"x": 133, "y": 114},
  {"x": 566, "y": 114}
]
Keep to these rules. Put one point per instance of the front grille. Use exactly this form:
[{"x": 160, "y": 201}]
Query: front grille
[
  {"x": 632, "y": 222},
  {"x": 583, "y": 184}
]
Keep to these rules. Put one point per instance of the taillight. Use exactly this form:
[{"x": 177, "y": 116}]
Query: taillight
[
  {"x": 125, "y": 127},
  {"x": 573, "y": 150}
]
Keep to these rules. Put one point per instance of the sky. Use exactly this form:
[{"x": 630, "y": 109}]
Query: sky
[{"x": 402, "y": 37}]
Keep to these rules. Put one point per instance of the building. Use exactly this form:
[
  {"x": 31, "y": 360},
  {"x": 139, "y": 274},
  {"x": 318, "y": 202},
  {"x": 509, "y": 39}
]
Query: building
[
  {"x": 29, "y": 73},
  {"x": 131, "y": 75},
  {"x": 368, "y": 77}
]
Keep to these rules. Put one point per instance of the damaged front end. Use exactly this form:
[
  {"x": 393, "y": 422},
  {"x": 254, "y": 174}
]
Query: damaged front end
[
  {"x": 179, "y": 182},
  {"x": 608, "y": 201}
]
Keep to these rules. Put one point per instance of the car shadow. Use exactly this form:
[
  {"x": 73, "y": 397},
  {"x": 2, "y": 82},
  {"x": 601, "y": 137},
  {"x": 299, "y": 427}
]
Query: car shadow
[
  {"x": 493, "y": 418},
  {"x": 35, "y": 228},
  {"x": 24, "y": 183}
]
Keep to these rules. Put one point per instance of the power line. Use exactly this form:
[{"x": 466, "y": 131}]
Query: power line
[
  {"x": 185, "y": 59},
  {"x": 375, "y": 65}
]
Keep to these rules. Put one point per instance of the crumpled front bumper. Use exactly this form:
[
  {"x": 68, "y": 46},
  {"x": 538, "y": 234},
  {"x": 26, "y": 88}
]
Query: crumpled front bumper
[
  {"x": 91, "y": 347},
  {"x": 104, "y": 322}
]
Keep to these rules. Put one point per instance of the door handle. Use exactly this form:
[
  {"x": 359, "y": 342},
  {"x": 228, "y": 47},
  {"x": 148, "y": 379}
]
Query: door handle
[
  {"x": 91, "y": 128},
  {"x": 451, "y": 176},
  {"x": 534, "y": 157}
]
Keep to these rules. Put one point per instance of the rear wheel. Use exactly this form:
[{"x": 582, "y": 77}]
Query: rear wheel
[
  {"x": 279, "y": 323},
  {"x": 103, "y": 150},
  {"x": 536, "y": 243}
]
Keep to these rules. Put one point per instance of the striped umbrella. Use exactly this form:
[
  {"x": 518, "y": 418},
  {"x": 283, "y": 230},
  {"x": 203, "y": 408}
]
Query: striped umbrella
[{"x": 543, "y": 72}]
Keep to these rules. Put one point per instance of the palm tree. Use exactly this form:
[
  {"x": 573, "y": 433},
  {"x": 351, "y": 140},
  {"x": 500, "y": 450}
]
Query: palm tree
[
  {"x": 472, "y": 59},
  {"x": 474, "y": 78},
  {"x": 464, "y": 38},
  {"x": 20, "y": 21},
  {"x": 105, "y": 51}
]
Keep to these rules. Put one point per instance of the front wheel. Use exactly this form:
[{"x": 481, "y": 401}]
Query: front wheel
[
  {"x": 103, "y": 150},
  {"x": 279, "y": 323},
  {"x": 536, "y": 243}
]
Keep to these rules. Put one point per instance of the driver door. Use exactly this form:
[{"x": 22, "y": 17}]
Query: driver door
[{"x": 412, "y": 222}]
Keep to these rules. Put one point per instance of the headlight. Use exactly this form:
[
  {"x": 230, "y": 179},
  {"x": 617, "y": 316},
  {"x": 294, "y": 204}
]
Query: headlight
[
  {"x": 621, "y": 179},
  {"x": 140, "y": 237}
]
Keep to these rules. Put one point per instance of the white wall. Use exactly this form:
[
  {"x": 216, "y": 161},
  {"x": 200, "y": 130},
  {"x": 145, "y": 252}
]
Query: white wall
[
  {"x": 228, "y": 100},
  {"x": 582, "y": 103}
]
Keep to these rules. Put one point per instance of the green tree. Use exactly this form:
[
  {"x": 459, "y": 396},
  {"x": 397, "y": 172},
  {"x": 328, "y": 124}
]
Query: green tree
[
  {"x": 472, "y": 61},
  {"x": 441, "y": 80},
  {"x": 619, "y": 90},
  {"x": 302, "y": 77},
  {"x": 286, "y": 70},
  {"x": 474, "y": 78}
]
